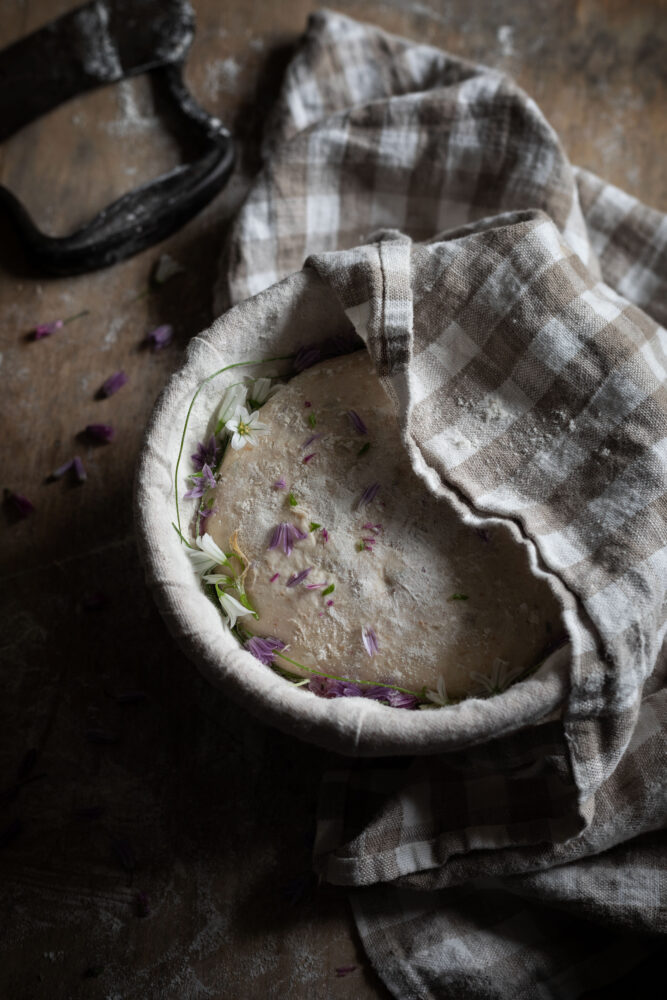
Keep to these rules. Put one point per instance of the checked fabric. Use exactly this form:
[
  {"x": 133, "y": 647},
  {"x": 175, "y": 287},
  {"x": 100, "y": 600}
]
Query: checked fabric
[{"x": 512, "y": 307}]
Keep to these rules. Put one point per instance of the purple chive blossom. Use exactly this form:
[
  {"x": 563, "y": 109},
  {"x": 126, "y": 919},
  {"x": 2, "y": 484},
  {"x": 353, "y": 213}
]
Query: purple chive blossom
[
  {"x": 80, "y": 473},
  {"x": 20, "y": 503},
  {"x": 203, "y": 480},
  {"x": 280, "y": 484},
  {"x": 264, "y": 649},
  {"x": 297, "y": 578},
  {"x": 160, "y": 336},
  {"x": 370, "y": 640},
  {"x": 397, "y": 699},
  {"x": 313, "y": 437},
  {"x": 307, "y": 459},
  {"x": 357, "y": 422},
  {"x": 284, "y": 536},
  {"x": 327, "y": 687},
  {"x": 114, "y": 383},
  {"x": 274, "y": 577},
  {"x": 306, "y": 357},
  {"x": 368, "y": 495},
  {"x": 205, "y": 512},
  {"x": 316, "y": 586},
  {"x": 102, "y": 433},
  {"x": 325, "y": 535},
  {"x": 47, "y": 329},
  {"x": 206, "y": 453}
]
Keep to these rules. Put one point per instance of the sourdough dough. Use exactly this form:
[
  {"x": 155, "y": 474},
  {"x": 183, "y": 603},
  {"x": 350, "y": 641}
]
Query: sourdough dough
[{"x": 408, "y": 581}]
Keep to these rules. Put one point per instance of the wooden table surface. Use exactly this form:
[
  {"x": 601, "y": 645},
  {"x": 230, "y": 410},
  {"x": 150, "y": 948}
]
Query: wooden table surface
[{"x": 196, "y": 805}]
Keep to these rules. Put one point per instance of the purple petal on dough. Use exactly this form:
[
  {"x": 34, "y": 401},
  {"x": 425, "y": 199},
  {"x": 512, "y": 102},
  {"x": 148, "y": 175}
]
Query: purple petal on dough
[
  {"x": 370, "y": 640},
  {"x": 298, "y": 578},
  {"x": 357, "y": 422},
  {"x": 307, "y": 459},
  {"x": 368, "y": 495},
  {"x": 280, "y": 484}
]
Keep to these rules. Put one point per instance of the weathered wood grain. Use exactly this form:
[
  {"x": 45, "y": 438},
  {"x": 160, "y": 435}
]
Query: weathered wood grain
[{"x": 201, "y": 808}]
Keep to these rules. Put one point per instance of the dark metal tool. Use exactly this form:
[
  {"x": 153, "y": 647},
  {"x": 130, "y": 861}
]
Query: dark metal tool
[{"x": 92, "y": 46}]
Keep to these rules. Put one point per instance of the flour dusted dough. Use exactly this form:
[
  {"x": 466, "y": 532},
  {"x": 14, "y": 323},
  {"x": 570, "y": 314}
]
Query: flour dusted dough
[{"x": 403, "y": 587}]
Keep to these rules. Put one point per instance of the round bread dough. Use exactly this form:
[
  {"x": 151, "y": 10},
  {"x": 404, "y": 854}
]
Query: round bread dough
[{"x": 442, "y": 598}]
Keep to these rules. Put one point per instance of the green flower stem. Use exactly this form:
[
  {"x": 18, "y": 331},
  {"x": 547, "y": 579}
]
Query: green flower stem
[
  {"x": 347, "y": 680},
  {"x": 209, "y": 378},
  {"x": 70, "y": 319}
]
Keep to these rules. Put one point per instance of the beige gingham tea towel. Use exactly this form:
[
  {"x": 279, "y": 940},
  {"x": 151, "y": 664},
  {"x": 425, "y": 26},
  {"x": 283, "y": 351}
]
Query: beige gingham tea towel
[{"x": 523, "y": 351}]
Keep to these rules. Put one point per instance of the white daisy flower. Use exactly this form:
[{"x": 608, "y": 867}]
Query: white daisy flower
[
  {"x": 231, "y": 607},
  {"x": 232, "y": 401},
  {"x": 207, "y": 555},
  {"x": 244, "y": 427},
  {"x": 500, "y": 678}
]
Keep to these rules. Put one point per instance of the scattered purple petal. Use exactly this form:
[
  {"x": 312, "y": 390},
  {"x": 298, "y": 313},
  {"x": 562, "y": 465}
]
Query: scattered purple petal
[
  {"x": 370, "y": 640},
  {"x": 160, "y": 337},
  {"x": 345, "y": 970},
  {"x": 307, "y": 459},
  {"x": 280, "y": 484},
  {"x": 206, "y": 453},
  {"x": 284, "y": 536},
  {"x": 78, "y": 468},
  {"x": 297, "y": 578},
  {"x": 329, "y": 604},
  {"x": 375, "y": 528},
  {"x": 143, "y": 905},
  {"x": 114, "y": 383},
  {"x": 61, "y": 470},
  {"x": 102, "y": 433},
  {"x": 325, "y": 535},
  {"x": 19, "y": 503},
  {"x": 313, "y": 437},
  {"x": 357, "y": 422},
  {"x": 368, "y": 495},
  {"x": 47, "y": 329},
  {"x": 307, "y": 403},
  {"x": 274, "y": 577},
  {"x": 264, "y": 649},
  {"x": 316, "y": 586},
  {"x": 306, "y": 357}
]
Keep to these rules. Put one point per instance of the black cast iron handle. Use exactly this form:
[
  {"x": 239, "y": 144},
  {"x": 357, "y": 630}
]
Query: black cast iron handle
[{"x": 101, "y": 43}]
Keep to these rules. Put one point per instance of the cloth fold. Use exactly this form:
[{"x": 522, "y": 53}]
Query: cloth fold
[{"x": 511, "y": 305}]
